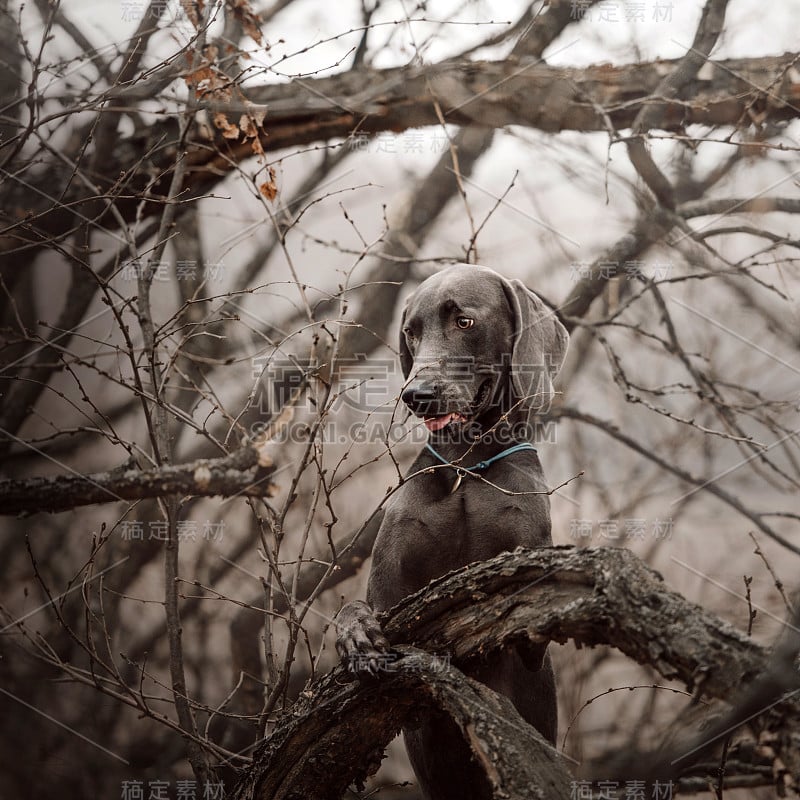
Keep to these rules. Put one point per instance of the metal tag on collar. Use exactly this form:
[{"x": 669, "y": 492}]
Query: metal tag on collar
[{"x": 460, "y": 473}]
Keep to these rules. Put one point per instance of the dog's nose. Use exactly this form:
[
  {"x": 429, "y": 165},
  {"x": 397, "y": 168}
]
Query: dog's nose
[{"x": 421, "y": 398}]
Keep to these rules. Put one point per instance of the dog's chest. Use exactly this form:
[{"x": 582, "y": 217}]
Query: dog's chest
[{"x": 426, "y": 534}]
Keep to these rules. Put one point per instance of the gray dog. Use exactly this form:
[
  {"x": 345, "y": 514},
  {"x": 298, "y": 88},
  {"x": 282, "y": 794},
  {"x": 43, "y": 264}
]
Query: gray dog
[{"x": 479, "y": 353}]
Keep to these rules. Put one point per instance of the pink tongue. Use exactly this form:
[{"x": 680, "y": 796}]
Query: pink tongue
[{"x": 437, "y": 423}]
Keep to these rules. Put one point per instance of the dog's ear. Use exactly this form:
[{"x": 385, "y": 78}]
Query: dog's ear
[
  {"x": 540, "y": 345},
  {"x": 406, "y": 359}
]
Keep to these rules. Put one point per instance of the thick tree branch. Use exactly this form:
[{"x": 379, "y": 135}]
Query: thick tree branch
[
  {"x": 244, "y": 472},
  {"x": 523, "y": 91},
  {"x": 739, "y": 205},
  {"x": 598, "y": 596},
  {"x": 594, "y": 596},
  {"x": 336, "y": 734},
  {"x": 519, "y": 91}
]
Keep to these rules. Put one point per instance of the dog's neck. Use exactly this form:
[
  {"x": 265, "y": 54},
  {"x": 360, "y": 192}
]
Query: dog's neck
[{"x": 483, "y": 439}]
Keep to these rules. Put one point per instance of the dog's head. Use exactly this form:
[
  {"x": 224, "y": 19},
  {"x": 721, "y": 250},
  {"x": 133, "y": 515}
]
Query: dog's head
[{"x": 475, "y": 346}]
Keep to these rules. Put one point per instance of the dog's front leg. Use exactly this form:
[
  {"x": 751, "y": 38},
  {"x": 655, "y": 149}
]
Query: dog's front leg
[
  {"x": 532, "y": 654},
  {"x": 359, "y": 639}
]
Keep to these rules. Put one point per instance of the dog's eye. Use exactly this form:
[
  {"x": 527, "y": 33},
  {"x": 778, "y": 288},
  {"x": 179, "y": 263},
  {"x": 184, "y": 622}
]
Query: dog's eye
[{"x": 464, "y": 322}]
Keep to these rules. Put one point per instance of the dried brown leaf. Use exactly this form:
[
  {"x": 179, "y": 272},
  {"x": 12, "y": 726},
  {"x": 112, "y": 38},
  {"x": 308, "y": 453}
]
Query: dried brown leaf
[
  {"x": 247, "y": 18},
  {"x": 269, "y": 189},
  {"x": 229, "y": 130}
]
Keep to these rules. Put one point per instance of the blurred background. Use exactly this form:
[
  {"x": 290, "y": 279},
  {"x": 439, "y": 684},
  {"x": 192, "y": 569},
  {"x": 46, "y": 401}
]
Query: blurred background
[{"x": 206, "y": 224}]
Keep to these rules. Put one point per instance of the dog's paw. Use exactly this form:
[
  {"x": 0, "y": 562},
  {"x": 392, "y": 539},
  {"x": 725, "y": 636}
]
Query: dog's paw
[{"x": 360, "y": 641}]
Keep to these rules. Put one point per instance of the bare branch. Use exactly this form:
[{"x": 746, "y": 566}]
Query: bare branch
[{"x": 708, "y": 30}]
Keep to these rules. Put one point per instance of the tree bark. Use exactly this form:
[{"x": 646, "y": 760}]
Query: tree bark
[
  {"x": 524, "y": 91},
  {"x": 518, "y": 91},
  {"x": 335, "y": 735},
  {"x": 598, "y": 596},
  {"x": 244, "y": 473}
]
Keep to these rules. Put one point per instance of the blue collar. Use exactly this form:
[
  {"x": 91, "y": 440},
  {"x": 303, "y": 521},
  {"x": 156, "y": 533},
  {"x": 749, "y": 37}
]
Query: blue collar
[{"x": 482, "y": 465}]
